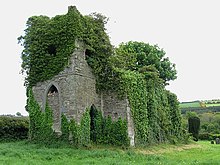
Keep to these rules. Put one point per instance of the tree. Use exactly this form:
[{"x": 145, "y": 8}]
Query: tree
[
  {"x": 18, "y": 114},
  {"x": 142, "y": 57},
  {"x": 194, "y": 125},
  {"x": 191, "y": 114}
]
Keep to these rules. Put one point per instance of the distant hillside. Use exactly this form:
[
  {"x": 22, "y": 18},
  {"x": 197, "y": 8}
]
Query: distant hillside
[
  {"x": 200, "y": 106},
  {"x": 190, "y": 104}
]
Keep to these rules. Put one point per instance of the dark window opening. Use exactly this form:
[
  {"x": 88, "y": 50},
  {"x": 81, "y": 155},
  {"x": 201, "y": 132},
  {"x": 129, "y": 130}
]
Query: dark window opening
[
  {"x": 88, "y": 54},
  {"x": 52, "y": 50},
  {"x": 93, "y": 113},
  {"x": 53, "y": 90},
  {"x": 93, "y": 123},
  {"x": 115, "y": 114}
]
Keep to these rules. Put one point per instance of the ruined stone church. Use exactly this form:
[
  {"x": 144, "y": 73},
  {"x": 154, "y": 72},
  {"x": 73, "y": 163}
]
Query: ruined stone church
[{"x": 74, "y": 89}]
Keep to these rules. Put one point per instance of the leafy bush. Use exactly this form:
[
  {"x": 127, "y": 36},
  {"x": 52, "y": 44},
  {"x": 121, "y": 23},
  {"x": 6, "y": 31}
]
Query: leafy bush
[
  {"x": 208, "y": 136},
  {"x": 214, "y": 136},
  {"x": 13, "y": 128},
  {"x": 194, "y": 125},
  {"x": 205, "y": 136}
]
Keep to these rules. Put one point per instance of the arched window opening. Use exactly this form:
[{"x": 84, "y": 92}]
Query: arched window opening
[
  {"x": 54, "y": 104},
  {"x": 52, "y": 91},
  {"x": 95, "y": 124}
]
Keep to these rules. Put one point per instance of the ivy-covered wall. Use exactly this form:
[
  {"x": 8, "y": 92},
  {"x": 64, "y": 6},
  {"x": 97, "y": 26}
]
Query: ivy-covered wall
[
  {"x": 93, "y": 127},
  {"x": 49, "y": 43},
  {"x": 135, "y": 71}
]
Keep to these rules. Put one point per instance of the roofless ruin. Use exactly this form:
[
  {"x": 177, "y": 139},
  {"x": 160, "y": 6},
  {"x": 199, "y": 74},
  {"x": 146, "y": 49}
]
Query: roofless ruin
[{"x": 82, "y": 90}]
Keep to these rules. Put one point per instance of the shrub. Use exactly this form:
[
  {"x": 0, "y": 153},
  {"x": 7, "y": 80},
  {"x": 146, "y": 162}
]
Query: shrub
[
  {"x": 13, "y": 128},
  {"x": 214, "y": 136},
  {"x": 208, "y": 136},
  {"x": 194, "y": 125},
  {"x": 205, "y": 136}
]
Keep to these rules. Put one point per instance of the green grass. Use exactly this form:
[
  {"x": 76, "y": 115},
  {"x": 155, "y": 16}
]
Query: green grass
[
  {"x": 213, "y": 105},
  {"x": 206, "y": 154},
  {"x": 24, "y": 153},
  {"x": 196, "y": 104},
  {"x": 190, "y": 104}
]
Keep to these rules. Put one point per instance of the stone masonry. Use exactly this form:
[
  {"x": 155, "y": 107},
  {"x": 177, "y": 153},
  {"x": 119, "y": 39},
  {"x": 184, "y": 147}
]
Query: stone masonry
[{"x": 73, "y": 90}]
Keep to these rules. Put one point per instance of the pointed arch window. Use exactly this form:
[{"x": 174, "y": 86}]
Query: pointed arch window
[{"x": 52, "y": 91}]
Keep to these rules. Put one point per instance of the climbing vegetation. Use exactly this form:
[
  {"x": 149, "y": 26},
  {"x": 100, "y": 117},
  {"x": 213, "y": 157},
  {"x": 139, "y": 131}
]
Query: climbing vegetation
[
  {"x": 49, "y": 42},
  {"x": 92, "y": 128},
  {"x": 141, "y": 73},
  {"x": 134, "y": 70}
]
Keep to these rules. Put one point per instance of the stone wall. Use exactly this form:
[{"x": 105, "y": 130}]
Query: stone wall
[
  {"x": 53, "y": 102},
  {"x": 75, "y": 91},
  {"x": 113, "y": 106}
]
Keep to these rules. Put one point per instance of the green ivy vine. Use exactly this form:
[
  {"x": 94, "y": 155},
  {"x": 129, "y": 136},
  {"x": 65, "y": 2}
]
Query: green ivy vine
[
  {"x": 101, "y": 131},
  {"x": 135, "y": 88},
  {"x": 49, "y": 42}
]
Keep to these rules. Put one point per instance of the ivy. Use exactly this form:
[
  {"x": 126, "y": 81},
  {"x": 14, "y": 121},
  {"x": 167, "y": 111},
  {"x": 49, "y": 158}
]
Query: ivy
[
  {"x": 65, "y": 127},
  {"x": 74, "y": 129},
  {"x": 96, "y": 125},
  {"x": 105, "y": 131},
  {"x": 135, "y": 87},
  {"x": 93, "y": 127},
  {"x": 49, "y": 42},
  {"x": 40, "y": 123},
  {"x": 141, "y": 72},
  {"x": 175, "y": 114},
  {"x": 85, "y": 128},
  {"x": 119, "y": 133}
]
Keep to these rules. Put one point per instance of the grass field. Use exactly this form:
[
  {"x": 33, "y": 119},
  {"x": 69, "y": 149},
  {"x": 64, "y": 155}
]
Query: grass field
[
  {"x": 190, "y": 104},
  {"x": 196, "y": 104},
  {"x": 24, "y": 153},
  {"x": 213, "y": 105}
]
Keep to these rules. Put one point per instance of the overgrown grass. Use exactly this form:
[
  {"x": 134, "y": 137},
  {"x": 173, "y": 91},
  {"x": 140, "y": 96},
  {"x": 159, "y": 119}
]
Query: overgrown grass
[
  {"x": 207, "y": 153},
  {"x": 26, "y": 153}
]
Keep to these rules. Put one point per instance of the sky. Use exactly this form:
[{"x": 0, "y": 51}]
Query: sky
[{"x": 187, "y": 30}]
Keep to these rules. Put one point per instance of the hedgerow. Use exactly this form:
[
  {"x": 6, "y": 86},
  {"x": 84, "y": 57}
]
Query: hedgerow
[{"x": 13, "y": 128}]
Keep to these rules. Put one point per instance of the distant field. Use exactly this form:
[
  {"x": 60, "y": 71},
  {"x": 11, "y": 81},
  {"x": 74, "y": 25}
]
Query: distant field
[
  {"x": 213, "y": 105},
  {"x": 20, "y": 153},
  {"x": 197, "y": 104},
  {"x": 190, "y": 104}
]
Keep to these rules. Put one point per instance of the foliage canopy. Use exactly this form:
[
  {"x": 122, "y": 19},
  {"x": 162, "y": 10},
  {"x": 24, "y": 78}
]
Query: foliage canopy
[{"x": 144, "y": 58}]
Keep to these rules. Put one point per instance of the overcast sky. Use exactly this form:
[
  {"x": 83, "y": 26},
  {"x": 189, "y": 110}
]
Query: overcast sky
[{"x": 188, "y": 31}]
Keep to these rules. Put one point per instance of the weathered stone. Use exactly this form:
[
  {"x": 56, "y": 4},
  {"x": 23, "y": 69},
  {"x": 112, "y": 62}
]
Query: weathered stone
[
  {"x": 217, "y": 141},
  {"x": 73, "y": 90}
]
